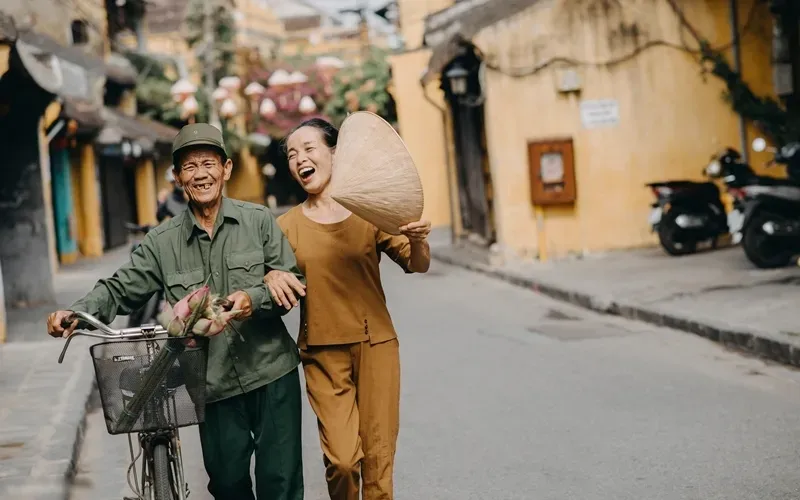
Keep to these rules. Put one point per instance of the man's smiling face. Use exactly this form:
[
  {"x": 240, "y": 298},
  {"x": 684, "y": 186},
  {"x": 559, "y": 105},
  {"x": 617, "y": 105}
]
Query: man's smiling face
[{"x": 203, "y": 174}]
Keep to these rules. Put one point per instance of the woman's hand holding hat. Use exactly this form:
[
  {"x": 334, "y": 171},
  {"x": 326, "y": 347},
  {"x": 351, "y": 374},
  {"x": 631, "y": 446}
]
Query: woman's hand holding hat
[{"x": 416, "y": 231}]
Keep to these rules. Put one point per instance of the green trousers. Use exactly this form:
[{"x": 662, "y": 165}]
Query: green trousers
[{"x": 265, "y": 421}]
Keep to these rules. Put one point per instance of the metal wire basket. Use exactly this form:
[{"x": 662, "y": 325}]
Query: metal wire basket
[{"x": 178, "y": 400}]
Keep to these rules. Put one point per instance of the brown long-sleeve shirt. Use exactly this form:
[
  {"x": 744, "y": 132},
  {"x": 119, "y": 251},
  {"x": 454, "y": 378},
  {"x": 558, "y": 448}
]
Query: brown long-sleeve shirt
[{"x": 344, "y": 302}]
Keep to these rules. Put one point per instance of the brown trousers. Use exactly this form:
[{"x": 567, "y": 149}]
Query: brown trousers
[{"x": 354, "y": 390}]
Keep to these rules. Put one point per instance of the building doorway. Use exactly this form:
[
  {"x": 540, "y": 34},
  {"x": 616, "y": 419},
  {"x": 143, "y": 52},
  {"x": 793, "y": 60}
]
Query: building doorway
[{"x": 475, "y": 194}]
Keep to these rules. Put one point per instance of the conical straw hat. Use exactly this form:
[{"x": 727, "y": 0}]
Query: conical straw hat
[{"x": 374, "y": 175}]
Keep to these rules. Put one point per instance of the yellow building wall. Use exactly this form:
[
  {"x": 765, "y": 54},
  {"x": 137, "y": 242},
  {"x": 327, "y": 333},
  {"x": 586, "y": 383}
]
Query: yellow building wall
[
  {"x": 87, "y": 203},
  {"x": 412, "y": 18},
  {"x": 670, "y": 123},
  {"x": 422, "y": 129},
  {"x": 257, "y": 23},
  {"x": 146, "y": 202},
  {"x": 5, "y": 51}
]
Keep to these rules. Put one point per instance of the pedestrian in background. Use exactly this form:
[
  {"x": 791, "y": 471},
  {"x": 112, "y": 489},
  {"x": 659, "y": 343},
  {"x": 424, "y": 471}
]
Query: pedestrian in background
[{"x": 348, "y": 344}]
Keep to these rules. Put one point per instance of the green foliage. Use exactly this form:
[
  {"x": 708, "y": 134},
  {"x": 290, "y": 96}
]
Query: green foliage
[
  {"x": 363, "y": 88},
  {"x": 223, "y": 51},
  {"x": 153, "y": 89},
  {"x": 777, "y": 123}
]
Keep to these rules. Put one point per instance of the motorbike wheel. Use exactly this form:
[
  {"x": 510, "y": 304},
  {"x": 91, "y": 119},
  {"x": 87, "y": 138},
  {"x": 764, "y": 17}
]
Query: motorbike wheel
[
  {"x": 668, "y": 235},
  {"x": 763, "y": 250}
]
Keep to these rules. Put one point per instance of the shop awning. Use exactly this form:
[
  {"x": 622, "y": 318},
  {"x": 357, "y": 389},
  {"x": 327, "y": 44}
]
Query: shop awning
[
  {"x": 86, "y": 113},
  {"x": 448, "y": 29},
  {"x": 69, "y": 71},
  {"x": 145, "y": 133}
]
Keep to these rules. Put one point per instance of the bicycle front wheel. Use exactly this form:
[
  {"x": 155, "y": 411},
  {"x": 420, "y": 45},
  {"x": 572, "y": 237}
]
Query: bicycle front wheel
[{"x": 161, "y": 487}]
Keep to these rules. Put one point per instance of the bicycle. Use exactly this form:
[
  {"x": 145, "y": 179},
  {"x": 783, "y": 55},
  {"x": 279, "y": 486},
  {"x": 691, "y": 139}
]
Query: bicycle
[{"x": 178, "y": 400}]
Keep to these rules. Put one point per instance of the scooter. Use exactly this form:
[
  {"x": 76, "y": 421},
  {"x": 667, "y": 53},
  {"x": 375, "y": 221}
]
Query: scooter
[
  {"x": 687, "y": 213},
  {"x": 771, "y": 231},
  {"x": 146, "y": 315}
]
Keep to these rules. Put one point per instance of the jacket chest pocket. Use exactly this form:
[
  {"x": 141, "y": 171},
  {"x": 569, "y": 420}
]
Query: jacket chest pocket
[
  {"x": 180, "y": 284},
  {"x": 245, "y": 270}
]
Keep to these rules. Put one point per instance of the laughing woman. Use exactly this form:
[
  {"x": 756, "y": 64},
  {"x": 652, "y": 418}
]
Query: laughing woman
[{"x": 347, "y": 342}]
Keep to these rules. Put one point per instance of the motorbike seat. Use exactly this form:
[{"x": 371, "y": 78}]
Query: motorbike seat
[
  {"x": 680, "y": 184},
  {"x": 763, "y": 180}
]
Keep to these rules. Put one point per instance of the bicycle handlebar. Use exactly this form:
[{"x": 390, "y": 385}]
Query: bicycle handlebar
[{"x": 107, "y": 331}]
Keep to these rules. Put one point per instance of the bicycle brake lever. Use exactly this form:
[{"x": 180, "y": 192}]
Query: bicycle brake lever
[{"x": 66, "y": 346}]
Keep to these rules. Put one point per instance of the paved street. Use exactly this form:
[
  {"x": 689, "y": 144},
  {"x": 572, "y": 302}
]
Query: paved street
[{"x": 510, "y": 395}]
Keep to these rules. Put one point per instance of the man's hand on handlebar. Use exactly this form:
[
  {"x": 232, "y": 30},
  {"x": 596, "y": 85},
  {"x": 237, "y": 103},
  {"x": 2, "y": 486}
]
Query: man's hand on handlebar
[{"x": 58, "y": 324}]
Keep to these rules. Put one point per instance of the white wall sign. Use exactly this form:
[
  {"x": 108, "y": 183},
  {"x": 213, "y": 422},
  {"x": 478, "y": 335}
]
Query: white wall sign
[{"x": 600, "y": 113}]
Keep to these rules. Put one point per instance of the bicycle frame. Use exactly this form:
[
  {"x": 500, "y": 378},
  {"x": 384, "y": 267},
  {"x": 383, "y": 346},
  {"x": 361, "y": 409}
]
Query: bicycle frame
[{"x": 147, "y": 441}]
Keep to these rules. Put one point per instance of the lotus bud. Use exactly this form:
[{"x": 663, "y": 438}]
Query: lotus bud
[
  {"x": 181, "y": 309},
  {"x": 202, "y": 327},
  {"x": 175, "y": 327},
  {"x": 165, "y": 316},
  {"x": 198, "y": 298}
]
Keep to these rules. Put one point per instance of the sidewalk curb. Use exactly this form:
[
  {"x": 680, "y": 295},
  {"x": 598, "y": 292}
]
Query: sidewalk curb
[
  {"x": 757, "y": 343},
  {"x": 80, "y": 435}
]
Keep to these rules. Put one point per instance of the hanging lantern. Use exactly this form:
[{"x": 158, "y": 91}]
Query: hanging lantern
[
  {"x": 220, "y": 94},
  {"x": 228, "y": 108},
  {"x": 297, "y": 77},
  {"x": 182, "y": 90},
  {"x": 190, "y": 106},
  {"x": 307, "y": 105},
  {"x": 254, "y": 90},
  {"x": 330, "y": 62},
  {"x": 278, "y": 78},
  {"x": 230, "y": 83},
  {"x": 267, "y": 108}
]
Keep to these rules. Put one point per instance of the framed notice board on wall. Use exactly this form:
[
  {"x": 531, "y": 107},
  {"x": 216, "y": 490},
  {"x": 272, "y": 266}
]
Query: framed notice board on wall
[{"x": 552, "y": 171}]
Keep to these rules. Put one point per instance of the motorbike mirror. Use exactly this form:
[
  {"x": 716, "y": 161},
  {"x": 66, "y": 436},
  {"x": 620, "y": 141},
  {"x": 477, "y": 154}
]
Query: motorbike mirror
[{"x": 759, "y": 145}]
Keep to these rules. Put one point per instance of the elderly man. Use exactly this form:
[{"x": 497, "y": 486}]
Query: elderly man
[{"x": 253, "y": 388}]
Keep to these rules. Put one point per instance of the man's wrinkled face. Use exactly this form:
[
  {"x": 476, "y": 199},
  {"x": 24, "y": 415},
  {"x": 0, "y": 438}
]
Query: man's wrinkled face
[{"x": 203, "y": 175}]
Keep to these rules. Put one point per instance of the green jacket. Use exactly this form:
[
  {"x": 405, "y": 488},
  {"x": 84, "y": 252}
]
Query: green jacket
[{"x": 178, "y": 256}]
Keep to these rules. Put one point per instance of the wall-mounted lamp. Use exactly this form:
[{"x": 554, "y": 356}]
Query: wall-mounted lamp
[{"x": 457, "y": 76}]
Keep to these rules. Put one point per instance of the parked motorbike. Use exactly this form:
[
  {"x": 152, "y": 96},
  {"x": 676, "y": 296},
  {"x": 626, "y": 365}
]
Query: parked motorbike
[
  {"x": 687, "y": 213},
  {"x": 771, "y": 231},
  {"x": 146, "y": 315}
]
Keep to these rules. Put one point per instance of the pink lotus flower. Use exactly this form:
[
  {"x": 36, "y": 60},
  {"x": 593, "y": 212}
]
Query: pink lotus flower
[
  {"x": 199, "y": 313},
  {"x": 208, "y": 327}
]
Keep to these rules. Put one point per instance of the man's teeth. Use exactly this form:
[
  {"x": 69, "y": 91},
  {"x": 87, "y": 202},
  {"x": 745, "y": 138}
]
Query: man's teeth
[
  {"x": 306, "y": 170},
  {"x": 203, "y": 187}
]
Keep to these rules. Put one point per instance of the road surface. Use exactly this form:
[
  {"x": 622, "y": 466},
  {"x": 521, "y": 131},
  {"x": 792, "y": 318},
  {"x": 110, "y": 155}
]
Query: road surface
[{"x": 511, "y": 395}]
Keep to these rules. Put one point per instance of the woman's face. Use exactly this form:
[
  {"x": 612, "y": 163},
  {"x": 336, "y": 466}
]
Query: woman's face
[{"x": 310, "y": 159}]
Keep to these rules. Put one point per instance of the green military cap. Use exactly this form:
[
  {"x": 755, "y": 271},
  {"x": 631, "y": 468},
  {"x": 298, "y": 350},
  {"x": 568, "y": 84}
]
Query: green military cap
[{"x": 198, "y": 134}]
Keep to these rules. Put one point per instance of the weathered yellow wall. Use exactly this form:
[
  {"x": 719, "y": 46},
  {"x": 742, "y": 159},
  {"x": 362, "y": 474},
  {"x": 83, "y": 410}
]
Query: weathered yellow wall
[
  {"x": 412, "y": 18},
  {"x": 47, "y": 192},
  {"x": 423, "y": 131},
  {"x": 162, "y": 165},
  {"x": 5, "y": 51},
  {"x": 91, "y": 241},
  {"x": 146, "y": 202},
  {"x": 671, "y": 121},
  {"x": 258, "y": 26},
  {"x": 247, "y": 181}
]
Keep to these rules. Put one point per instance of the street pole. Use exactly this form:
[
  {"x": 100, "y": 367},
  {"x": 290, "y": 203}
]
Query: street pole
[{"x": 208, "y": 38}]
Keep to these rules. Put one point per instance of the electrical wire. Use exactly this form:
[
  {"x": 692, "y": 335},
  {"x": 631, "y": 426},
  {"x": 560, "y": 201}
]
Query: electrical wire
[{"x": 683, "y": 46}]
